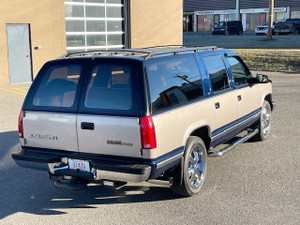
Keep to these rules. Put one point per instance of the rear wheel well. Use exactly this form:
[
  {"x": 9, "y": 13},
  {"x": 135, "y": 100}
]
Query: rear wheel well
[{"x": 204, "y": 134}]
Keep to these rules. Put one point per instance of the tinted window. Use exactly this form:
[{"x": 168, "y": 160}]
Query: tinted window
[
  {"x": 109, "y": 88},
  {"x": 292, "y": 21},
  {"x": 173, "y": 81},
  {"x": 222, "y": 24},
  {"x": 58, "y": 87},
  {"x": 239, "y": 71},
  {"x": 217, "y": 72}
]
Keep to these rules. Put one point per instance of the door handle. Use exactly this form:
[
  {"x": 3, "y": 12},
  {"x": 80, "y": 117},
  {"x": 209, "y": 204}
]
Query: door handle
[
  {"x": 239, "y": 97},
  {"x": 217, "y": 105},
  {"x": 87, "y": 126}
]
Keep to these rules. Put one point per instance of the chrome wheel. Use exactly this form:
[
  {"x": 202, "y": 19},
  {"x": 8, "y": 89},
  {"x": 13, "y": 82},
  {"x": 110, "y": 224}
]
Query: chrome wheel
[
  {"x": 196, "y": 167},
  {"x": 265, "y": 120},
  {"x": 189, "y": 176}
]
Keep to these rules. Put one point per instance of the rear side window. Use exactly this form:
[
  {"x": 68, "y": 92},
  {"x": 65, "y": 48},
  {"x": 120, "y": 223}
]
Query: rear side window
[
  {"x": 109, "y": 87},
  {"x": 217, "y": 72},
  {"x": 58, "y": 87},
  {"x": 173, "y": 81}
]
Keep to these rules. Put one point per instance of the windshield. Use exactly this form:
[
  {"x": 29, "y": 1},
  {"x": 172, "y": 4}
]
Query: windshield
[
  {"x": 266, "y": 24},
  {"x": 222, "y": 24}
]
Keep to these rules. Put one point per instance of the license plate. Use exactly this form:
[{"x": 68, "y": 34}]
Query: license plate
[{"x": 77, "y": 164}]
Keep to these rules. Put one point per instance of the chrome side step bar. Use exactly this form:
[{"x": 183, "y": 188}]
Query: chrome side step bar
[
  {"x": 164, "y": 181},
  {"x": 239, "y": 141}
]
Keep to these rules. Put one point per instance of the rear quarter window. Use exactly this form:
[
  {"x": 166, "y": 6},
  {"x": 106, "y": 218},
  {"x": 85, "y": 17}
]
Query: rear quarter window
[{"x": 173, "y": 81}]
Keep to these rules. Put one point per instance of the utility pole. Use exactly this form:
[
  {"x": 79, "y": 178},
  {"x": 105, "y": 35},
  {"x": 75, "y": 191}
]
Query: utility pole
[
  {"x": 237, "y": 8},
  {"x": 270, "y": 25}
]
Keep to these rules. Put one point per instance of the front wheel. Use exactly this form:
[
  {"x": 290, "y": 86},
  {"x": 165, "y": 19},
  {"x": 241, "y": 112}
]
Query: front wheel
[
  {"x": 264, "y": 122},
  {"x": 191, "y": 175}
]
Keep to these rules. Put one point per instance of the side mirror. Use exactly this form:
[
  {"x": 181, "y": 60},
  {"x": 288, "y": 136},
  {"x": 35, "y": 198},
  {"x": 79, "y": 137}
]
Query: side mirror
[{"x": 260, "y": 78}]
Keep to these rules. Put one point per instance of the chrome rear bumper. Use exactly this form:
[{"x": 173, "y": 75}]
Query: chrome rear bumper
[{"x": 101, "y": 169}]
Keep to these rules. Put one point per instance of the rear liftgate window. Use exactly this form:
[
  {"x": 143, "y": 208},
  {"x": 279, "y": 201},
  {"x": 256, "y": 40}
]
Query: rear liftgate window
[
  {"x": 173, "y": 81},
  {"x": 58, "y": 87},
  {"x": 109, "y": 88}
]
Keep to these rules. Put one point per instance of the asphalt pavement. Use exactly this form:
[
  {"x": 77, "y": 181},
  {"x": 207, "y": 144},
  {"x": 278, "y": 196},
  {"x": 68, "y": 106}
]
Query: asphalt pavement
[
  {"x": 246, "y": 41},
  {"x": 255, "y": 183}
]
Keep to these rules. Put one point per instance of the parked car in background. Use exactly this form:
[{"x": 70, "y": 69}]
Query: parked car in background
[
  {"x": 281, "y": 28},
  {"x": 294, "y": 25},
  {"x": 262, "y": 29},
  {"x": 228, "y": 28}
]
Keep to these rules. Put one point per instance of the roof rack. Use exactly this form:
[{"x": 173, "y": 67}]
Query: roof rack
[
  {"x": 175, "y": 49},
  {"x": 146, "y": 53},
  {"x": 112, "y": 52}
]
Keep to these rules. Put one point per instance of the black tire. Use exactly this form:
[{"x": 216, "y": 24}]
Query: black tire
[
  {"x": 240, "y": 32},
  {"x": 296, "y": 32},
  {"x": 264, "y": 122},
  {"x": 191, "y": 172},
  {"x": 227, "y": 33}
]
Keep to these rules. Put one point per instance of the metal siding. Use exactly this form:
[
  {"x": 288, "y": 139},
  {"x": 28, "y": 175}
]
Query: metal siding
[
  {"x": 248, "y": 4},
  {"x": 197, "y": 5}
]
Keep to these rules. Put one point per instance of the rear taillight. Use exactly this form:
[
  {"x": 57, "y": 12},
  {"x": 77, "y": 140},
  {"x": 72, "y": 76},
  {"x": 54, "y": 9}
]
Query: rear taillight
[
  {"x": 20, "y": 124},
  {"x": 147, "y": 133},
  {"x": 291, "y": 25}
]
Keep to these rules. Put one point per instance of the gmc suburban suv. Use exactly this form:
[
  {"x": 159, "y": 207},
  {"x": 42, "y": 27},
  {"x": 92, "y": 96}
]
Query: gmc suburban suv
[{"x": 135, "y": 115}]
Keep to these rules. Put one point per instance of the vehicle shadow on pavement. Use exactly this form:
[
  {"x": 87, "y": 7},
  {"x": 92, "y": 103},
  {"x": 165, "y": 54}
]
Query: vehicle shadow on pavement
[{"x": 30, "y": 191}]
